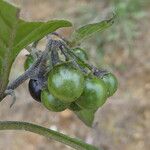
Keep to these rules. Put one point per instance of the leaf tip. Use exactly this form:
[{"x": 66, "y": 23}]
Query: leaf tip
[{"x": 112, "y": 19}]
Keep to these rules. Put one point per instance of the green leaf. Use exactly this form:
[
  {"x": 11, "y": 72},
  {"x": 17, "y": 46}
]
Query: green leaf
[
  {"x": 86, "y": 31},
  {"x": 87, "y": 116},
  {"x": 15, "y": 34}
]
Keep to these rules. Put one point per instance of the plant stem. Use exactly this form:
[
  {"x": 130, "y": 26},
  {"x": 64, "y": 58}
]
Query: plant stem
[
  {"x": 72, "y": 142},
  {"x": 71, "y": 53},
  {"x": 25, "y": 75},
  {"x": 32, "y": 71}
]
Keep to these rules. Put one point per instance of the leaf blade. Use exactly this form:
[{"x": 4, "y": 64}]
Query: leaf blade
[
  {"x": 88, "y": 30},
  {"x": 40, "y": 30}
]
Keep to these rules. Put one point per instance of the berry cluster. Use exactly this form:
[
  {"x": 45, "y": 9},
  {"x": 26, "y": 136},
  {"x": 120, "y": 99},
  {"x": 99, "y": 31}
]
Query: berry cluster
[{"x": 70, "y": 86}]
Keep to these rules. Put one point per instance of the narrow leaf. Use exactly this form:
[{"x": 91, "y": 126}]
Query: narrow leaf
[{"x": 89, "y": 29}]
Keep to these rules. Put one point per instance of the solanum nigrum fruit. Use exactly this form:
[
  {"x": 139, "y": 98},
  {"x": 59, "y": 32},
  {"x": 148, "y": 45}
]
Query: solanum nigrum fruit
[
  {"x": 35, "y": 88},
  {"x": 52, "y": 103},
  {"x": 94, "y": 94},
  {"x": 65, "y": 82},
  {"x": 28, "y": 62},
  {"x": 111, "y": 82},
  {"x": 81, "y": 54},
  {"x": 74, "y": 107}
]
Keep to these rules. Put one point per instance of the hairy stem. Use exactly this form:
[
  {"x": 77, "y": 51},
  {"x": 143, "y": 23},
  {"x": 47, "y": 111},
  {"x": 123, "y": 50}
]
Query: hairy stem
[
  {"x": 74, "y": 143},
  {"x": 54, "y": 57},
  {"x": 32, "y": 71},
  {"x": 97, "y": 72},
  {"x": 81, "y": 62},
  {"x": 24, "y": 76}
]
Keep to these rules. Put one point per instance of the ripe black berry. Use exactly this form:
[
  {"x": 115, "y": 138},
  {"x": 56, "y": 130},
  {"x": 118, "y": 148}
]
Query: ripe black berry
[{"x": 35, "y": 89}]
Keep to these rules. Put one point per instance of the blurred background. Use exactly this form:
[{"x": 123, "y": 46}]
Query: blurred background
[{"x": 124, "y": 120}]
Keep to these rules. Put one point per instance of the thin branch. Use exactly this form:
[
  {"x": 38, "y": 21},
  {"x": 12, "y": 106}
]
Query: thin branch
[
  {"x": 72, "y": 142},
  {"x": 71, "y": 53},
  {"x": 33, "y": 71},
  {"x": 97, "y": 72},
  {"x": 29, "y": 73}
]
